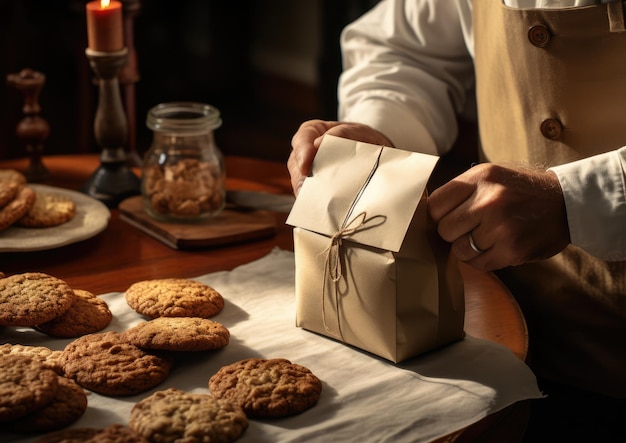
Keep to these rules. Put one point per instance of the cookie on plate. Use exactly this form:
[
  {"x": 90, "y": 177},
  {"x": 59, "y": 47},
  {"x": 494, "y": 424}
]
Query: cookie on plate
[
  {"x": 115, "y": 433},
  {"x": 25, "y": 386},
  {"x": 67, "y": 406},
  {"x": 105, "y": 363},
  {"x": 174, "y": 297},
  {"x": 8, "y": 190},
  {"x": 174, "y": 415},
  {"x": 12, "y": 175},
  {"x": 267, "y": 388},
  {"x": 88, "y": 314},
  {"x": 178, "y": 334},
  {"x": 15, "y": 209},
  {"x": 49, "y": 209},
  {"x": 33, "y": 298},
  {"x": 49, "y": 359}
]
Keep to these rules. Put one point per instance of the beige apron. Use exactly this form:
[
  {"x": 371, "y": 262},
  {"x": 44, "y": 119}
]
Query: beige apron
[{"x": 551, "y": 88}]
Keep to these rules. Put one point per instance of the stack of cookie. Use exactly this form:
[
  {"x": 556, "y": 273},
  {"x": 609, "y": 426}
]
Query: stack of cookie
[
  {"x": 34, "y": 398},
  {"x": 32, "y": 377},
  {"x": 51, "y": 383},
  {"x": 22, "y": 206},
  {"x": 49, "y": 305}
]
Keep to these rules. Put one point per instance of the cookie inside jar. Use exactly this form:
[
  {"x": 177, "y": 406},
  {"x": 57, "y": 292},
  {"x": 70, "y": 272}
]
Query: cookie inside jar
[{"x": 183, "y": 177}]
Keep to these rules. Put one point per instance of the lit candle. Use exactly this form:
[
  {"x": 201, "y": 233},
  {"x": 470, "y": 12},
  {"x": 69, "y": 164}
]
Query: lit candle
[{"x": 104, "y": 25}]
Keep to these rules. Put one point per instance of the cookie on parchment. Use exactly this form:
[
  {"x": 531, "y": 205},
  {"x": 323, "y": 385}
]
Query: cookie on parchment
[
  {"x": 115, "y": 433},
  {"x": 25, "y": 386},
  {"x": 267, "y": 388},
  {"x": 49, "y": 359},
  {"x": 178, "y": 334},
  {"x": 67, "y": 406},
  {"x": 21, "y": 203},
  {"x": 173, "y": 415},
  {"x": 49, "y": 209},
  {"x": 33, "y": 298},
  {"x": 88, "y": 314},
  {"x": 105, "y": 363},
  {"x": 72, "y": 435},
  {"x": 174, "y": 297}
]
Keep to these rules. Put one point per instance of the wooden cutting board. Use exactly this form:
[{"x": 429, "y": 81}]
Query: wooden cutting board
[{"x": 230, "y": 226}]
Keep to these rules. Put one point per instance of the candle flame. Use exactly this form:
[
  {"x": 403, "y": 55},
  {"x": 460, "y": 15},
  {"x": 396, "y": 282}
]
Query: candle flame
[{"x": 105, "y": 3}]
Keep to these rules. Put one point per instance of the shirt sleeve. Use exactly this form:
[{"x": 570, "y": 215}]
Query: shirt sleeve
[
  {"x": 408, "y": 70},
  {"x": 594, "y": 189}
]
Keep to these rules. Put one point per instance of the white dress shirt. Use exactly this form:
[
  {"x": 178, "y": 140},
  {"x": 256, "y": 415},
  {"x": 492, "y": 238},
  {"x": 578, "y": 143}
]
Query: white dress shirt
[
  {"x": 410, "y": 80},
  {"x": 552, "y": 4}
]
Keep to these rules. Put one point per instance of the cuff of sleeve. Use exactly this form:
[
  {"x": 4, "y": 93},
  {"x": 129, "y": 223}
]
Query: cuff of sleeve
[
  {"x": 594, "y": 190},
  {"x": 404, "y": 131}
]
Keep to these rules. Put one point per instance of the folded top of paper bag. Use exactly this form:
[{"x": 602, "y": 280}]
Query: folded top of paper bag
[{"x": 346, "y": 182}]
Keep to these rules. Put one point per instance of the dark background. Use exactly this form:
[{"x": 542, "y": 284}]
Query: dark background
[{"x": 198, "y": 50}]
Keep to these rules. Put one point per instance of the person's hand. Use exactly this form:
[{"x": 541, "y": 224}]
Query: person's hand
[
  {"x": 496, "y": 216},
  {"x": 308, "y": 137}
]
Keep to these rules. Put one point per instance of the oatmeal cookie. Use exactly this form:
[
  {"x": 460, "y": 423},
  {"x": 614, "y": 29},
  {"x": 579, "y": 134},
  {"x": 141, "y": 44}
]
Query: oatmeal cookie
[
  {"x": 178, "y": 334},
  {"x": 115, "y": 433},
  {"x": 49, "y": 359},
  {"x": 48, "y": 210},
  {"x": 88, "y": 314},
  {"x": 173, "y": 415},
  {"x": 104, "y": 363},
  {"x": 21, "y": 203},
  {"x": 33, "y": 298},
  {"x": 12, "y": 175},
  {"x": 8, "y": 190},
  {"x": 67, "y": 406},
  {"x": 189, "y": 188},
  {"x": 174, "y": 297},
  {"x": 74, "y": 435},
  {"x": 25, "y": 386},
  {"x": 267, "y": 388}
]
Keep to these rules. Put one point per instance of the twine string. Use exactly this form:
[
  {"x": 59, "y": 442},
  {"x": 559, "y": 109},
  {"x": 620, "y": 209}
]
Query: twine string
[{"x": 332, "y": 262}]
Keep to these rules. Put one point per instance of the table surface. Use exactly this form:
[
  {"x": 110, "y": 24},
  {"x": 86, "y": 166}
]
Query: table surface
[{"x": 121, "y": 255}]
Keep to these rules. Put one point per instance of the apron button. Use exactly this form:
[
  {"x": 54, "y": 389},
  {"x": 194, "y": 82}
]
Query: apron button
[
  {"x": 551, "y": 128},
  {"x": 539, "y": 36}
]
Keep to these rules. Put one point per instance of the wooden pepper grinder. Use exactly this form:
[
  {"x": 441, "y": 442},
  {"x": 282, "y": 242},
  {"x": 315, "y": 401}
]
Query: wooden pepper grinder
[{"x": 32, "y": 130}]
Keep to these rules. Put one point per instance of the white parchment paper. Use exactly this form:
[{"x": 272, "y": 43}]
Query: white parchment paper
[{"x": 364, "y": 398}]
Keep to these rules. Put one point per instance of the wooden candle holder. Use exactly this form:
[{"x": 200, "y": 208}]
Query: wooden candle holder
[
  {"x": 113, "y": 181},
  {"x": 32, "y": 131},
  {"x": 129, "y": 76}
]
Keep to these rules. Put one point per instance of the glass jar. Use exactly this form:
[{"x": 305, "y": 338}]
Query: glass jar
[{"x": 183, "y": 176}]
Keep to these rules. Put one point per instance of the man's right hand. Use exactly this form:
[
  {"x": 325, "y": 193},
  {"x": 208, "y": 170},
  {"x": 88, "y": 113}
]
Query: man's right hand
[{"x": 308, "y": 137}]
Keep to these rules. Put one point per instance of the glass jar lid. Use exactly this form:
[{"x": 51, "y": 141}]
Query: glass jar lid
[{"x": 183, "y": 117}]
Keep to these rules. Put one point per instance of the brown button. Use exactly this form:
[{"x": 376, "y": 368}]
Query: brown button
[
  {"x": 551, "y": 128},
  {"x": 539, "y": 35}
]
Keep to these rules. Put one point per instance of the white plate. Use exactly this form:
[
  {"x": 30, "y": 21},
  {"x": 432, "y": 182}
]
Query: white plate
[{"x": 91, "y": 217}]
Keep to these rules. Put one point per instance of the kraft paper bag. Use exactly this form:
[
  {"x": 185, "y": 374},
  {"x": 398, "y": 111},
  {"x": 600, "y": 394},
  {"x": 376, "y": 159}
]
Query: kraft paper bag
[{"x": 371, "y": 270}]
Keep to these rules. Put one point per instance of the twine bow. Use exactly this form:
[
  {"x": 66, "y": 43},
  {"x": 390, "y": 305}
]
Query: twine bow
[{"x": 333, "y": 263}]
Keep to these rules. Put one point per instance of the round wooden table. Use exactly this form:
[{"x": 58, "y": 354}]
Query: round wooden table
[{"x": 121, "y": 255}]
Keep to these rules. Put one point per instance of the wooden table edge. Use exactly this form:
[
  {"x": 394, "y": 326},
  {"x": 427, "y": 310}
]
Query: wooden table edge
[{"x": 69, "y": 170}]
